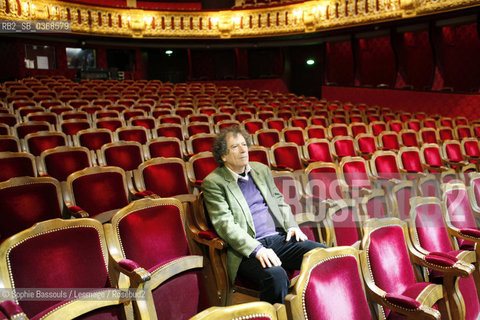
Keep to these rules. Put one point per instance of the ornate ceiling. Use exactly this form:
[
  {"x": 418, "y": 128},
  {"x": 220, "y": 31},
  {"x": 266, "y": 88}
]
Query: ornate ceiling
[{"x": 288, "y": 19}]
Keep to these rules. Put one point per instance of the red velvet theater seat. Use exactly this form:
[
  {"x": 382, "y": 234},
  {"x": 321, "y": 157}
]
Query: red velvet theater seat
[
  {"x": 151, "y": 234},
  {"x": 355, "y": 174},
  {"x": 199, "y": 166},
  {"x": 341, "y": 295},
  {"x": 9, "y": 143},
  {"x": 200, "y": 142},
  {"x": 342, "y": 224},
  {"x": 23, "y": 128},
  {"x": 318, "y": 150},
  {"x": 37, "y": 142},
  {"x": 170, "y": 130},
  {"x": 97, "y": 192},
  {"x": 93, "y": 138},
  {"x": 17, "y": 164},
  {"x": 60, "y": 162},
  {"x": 366, "y": 144},
  {"x": 430, "y": 237},
  {"x": 199, "y": 127},
  {"x": 389, "y": 274},
  {"x": 27, "y": 200},
  {"x": 459, "y": 214},
  {"x": 127, "y": 155},
  {"x": 260, "y": 154},
  {"x": 67, "y": 260},
  {"x": 287, "y": 156},
  {"x": 338, "y": 130},
  {"x": 266, "y": 137},
  {"x": 166, "y": 147},
  {"x": 385, "y": 168},
  {"x": 133, "y": 133},
  {"x": 343, "y": 147},
  {"x": 166, "y": 177},
  {"x": 389, "y": 140},
  {"x": 296, "y": 135},
  {"x": 375, "y": 204}
]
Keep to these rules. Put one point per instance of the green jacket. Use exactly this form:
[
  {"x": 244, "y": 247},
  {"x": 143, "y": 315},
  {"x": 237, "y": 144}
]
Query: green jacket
[{"x": 231, "y": 216}]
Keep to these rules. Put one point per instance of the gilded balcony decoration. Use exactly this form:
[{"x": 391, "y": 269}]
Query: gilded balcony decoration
[{"x": 286, "y": 19}]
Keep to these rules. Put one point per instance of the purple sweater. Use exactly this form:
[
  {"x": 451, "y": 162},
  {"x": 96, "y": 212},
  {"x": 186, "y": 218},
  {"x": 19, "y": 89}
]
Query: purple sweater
[{"x": 262, "y": 218}]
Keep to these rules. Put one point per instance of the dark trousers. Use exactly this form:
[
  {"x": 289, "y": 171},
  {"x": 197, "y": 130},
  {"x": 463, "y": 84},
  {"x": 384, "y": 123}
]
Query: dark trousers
[{"x": 274, "y": 282}]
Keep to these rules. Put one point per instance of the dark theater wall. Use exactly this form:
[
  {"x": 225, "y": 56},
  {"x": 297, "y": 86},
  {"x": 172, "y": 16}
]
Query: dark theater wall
[
  {"x": 457, "y": 49},
  {"x": 339, "y": 65},
  {"x": 375, "y": 62},
  {"x": 415, "y": 59}
]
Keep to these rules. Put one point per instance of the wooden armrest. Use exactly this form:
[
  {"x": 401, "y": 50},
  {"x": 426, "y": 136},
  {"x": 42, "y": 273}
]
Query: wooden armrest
[
  {"x": 78, "y": 212},
  {"x": 12, "y": 310},
  {"x": 133, "y": 271}
]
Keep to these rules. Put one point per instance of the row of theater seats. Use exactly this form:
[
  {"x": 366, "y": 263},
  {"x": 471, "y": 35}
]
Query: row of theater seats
[{"x": 152, "y": 241}]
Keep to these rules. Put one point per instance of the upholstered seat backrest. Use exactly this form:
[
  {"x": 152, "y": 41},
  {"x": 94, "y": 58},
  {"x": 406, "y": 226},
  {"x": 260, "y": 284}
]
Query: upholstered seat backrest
[
  {"x": 94, "y": 140},
  {"x": 345, "y": 226},
  {"x": 402, "y": 197},
  {"x": 168, "y": 148},
  {"x": 198, "y": 127},
  {"x": 355, "y": 173},
  {"x": 338, "y": 296},
  {"x": 259, "y": 155},
  {"x": 323, "y": 183},
  {"x": 132, "y": 134},
  {"x": 203, "y": 166},
  {"x": 411, "y": 161},
  {"x": 295, "y": 135},
  {"x": 445, "y": 133},
  {"x": 388, "y": 259},
  {"x": 376, "y": 207},
  {"x": 432, "y": 156},
  {"x": 24, "y": 202},
  {"x": 61, "y": 164},
  {"x": 358, "y": 128},
  {"x": 430, "y": 228},
  {"x": 100, "y": 192},
  {"x": 366, "y": 144},
  {"x": 37, "y": 143},
  {"x": 166, "y": 179},
  {"x": 386, "y": 166},
  {"x": 170, "y": 130},
  {"x": 16, "y": 166},
  {"x": 409, "y": 139},
  {"x": 429, "y": 136},
  {"x": 316, "y": 131},
  {"x": 288, "y": 156},
  {"x": 320, "y": 151},
  {"x": 345, "y": 148},
  {"x": 125, "y": 156},
  {"x": 390, "y": 141},
  {"x": 472, "y": 148},
  {"x": 202, "y": 142},
  {"x": 152, "y": 236},
  {"x": 459, "y": 211},
  {"x": 62, "y": 258},
  {"x": 268, "y": 138},
  {"x": 454, "y": 152},
  {"x": 339, "y": 130}
]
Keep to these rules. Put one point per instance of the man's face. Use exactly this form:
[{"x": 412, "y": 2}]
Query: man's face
[{"x": 236, "y": 157}]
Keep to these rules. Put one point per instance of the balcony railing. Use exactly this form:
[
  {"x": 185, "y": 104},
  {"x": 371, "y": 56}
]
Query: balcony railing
[{"x": 287, "y": 19}]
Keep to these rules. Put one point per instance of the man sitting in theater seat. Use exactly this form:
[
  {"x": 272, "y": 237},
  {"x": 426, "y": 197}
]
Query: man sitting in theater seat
[{"x": 250, "y": 214}]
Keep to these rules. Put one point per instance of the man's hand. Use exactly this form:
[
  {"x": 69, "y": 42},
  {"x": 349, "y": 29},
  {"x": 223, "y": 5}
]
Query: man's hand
[
  {"x": 299, "y": 235},
  {"x": 268, "y": 258}
]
